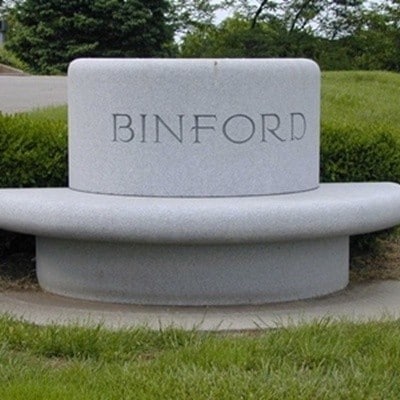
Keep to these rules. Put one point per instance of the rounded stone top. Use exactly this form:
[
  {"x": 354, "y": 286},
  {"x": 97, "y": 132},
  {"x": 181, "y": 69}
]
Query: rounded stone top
[
  {"x": 194, "y": 128},
  {"x": 332, "y": 210}
]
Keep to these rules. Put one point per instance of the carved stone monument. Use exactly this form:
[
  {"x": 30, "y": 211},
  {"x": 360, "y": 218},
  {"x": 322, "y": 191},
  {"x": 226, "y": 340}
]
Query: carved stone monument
[
  {"x": 194, "y": 128},
  {"x": 196, "y": 182}
]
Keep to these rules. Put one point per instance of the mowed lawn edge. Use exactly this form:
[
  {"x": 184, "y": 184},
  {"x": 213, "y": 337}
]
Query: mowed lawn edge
[{"x": 322, "y": 360}]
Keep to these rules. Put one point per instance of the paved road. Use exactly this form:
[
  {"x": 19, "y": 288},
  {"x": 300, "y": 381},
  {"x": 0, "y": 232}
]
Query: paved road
[{"x": 22, "y": 93}]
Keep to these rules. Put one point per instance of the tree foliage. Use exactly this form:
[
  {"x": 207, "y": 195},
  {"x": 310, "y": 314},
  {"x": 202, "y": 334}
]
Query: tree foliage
[
  {"x": 327, "y": 18},
  {"x": 48, "y": 34},
  {"x": 338, "y": 34},
  {"x": 236, "y": 38},
  {"x": 188, "y": 15}
]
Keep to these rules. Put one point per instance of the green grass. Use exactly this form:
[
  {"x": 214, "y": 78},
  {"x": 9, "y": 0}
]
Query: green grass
[
  {"x": 318, "y": 361},
  {"x": 58, "y": 113},
  {"x": 366, "y": 100},
  {"x": 360, "y": 129},
  {"x": 8, "y": 58}
]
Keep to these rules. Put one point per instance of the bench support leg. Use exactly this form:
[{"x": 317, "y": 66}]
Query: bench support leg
[{"x": 188, "y": 275}]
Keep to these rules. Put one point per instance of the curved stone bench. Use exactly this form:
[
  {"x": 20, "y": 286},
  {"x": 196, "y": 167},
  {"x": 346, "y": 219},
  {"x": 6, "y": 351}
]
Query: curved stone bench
[
  {"x": 178, "y": 178},
  {"x": 334, "y": 209},
  {"x": 192, "y": 251}
]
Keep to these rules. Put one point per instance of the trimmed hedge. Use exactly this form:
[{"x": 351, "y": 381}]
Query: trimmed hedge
[
  {"x": 33, "y": 153},
  {"x": 348, "y": 155}
]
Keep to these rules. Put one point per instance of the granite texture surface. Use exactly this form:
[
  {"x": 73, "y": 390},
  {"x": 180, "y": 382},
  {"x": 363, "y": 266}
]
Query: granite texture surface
[
  {"x": 332, "y": 210},
  {"x": 185, "y": 127},
  {"x": 192, "y": 275}
]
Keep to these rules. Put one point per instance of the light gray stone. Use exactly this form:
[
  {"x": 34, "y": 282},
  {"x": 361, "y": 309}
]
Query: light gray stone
[
  {"x": 193, "y": 275},
  {"x": 194, "y": 127},
  {"x": 337, "y": 209},
  {"x": 173, "y": 251}
]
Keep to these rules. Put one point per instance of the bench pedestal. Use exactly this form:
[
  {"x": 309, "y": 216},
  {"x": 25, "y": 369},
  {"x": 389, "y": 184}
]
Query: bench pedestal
[{"x": 192, "y": 274}]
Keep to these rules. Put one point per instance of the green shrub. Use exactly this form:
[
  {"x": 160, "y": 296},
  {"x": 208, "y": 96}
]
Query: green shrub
[
  {"x": 351, "y": 155},
  {"x": 33, "y": 153}
]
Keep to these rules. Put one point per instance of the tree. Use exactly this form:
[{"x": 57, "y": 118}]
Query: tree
[
  {"x": 189, "y": 15},
  {"x": 3, "y": 6},
  {"x": 235, "y": 37},
  {"x": 381, "y": 34},
  {"x": 325, "y": 18},
  {"x": 48, "y": 34},
  {"x": 339, "y": 34}
]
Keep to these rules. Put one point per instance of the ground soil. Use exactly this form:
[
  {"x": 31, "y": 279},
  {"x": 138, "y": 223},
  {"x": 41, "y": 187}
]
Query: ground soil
[
  {"x": 17, "y": 272},
  {"x": 383, "y": 264}
]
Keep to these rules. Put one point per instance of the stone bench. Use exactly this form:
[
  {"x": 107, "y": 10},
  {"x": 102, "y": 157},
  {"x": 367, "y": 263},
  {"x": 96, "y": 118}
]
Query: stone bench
[
  {"x": 245, "y": 250},
  {"x": 195, "y": 182},
  {"x": 335, "y": 209}
]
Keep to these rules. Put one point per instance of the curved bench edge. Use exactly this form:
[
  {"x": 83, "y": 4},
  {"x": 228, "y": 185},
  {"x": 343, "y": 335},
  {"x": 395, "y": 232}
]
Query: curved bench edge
[{"x": 342, "y": 209}]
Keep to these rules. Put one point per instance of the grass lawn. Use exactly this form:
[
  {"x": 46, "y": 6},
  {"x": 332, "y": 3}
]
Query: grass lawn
[
  {"x": 58, "y": 113},
  {"x": 368, "y": 100},
  {"x": 318, "y": 361}
]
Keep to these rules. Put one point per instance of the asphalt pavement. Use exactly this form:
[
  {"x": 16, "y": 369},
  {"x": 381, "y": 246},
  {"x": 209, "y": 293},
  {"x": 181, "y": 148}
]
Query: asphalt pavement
[{"x": 23, "y": 93}]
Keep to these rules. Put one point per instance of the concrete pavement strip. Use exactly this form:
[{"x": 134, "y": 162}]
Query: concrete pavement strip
[{"x": 359, "y": 302}]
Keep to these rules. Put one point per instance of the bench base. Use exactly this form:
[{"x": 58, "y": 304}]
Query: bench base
[
  {"x": 192, "y": 275},
  {"x": 197, "y": 251}
]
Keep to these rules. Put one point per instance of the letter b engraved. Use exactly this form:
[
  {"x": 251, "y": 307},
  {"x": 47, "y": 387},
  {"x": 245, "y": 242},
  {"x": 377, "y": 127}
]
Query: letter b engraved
[{"x": 123, "y": 131}]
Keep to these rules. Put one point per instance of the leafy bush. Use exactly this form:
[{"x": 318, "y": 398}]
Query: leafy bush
[
  {"x": 360, "y": 135},
  {"x": 33, "y": 153},
  {"x": 353, "y": 156},
  {"x": 350, "y": 155}
]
